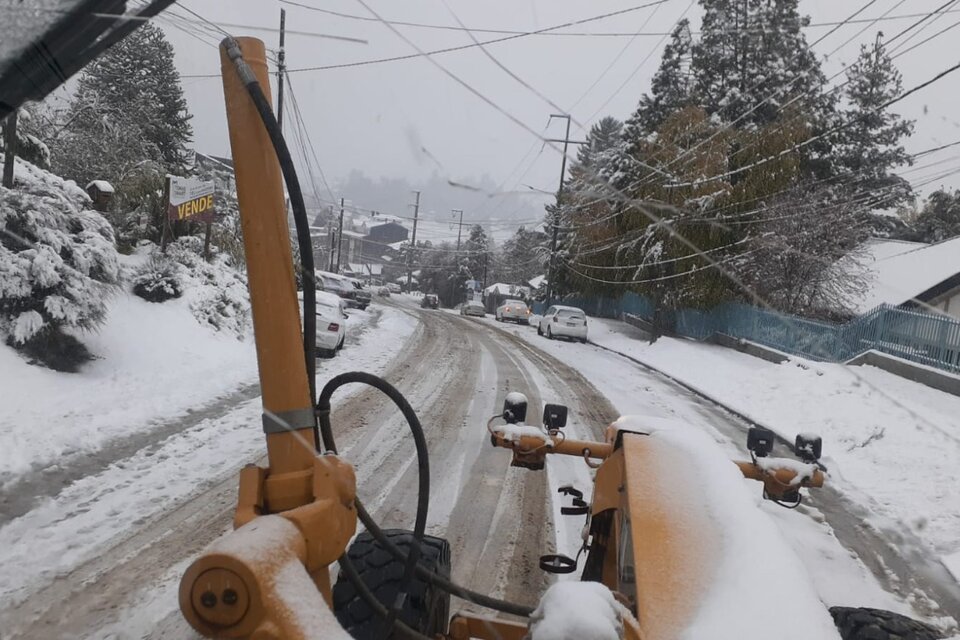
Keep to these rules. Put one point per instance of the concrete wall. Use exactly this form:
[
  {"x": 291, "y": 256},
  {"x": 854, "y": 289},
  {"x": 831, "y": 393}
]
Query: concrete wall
[
  {"x": 750, "y": 348},
  {"x": 929, "y": 376}
]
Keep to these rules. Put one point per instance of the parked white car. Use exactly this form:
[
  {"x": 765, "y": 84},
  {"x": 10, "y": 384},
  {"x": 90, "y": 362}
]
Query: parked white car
[
  {"x": 331, "y": 326},
  {"x": 512, "y": 310},
  {"x": 563, "y": 322}
]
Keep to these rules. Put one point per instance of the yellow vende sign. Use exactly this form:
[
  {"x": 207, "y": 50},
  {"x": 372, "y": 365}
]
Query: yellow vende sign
[{"x": 191, "y": 199}]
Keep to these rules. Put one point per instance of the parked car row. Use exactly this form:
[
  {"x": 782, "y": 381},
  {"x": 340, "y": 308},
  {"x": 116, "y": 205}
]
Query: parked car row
[
  {"x": 558, "y": 321},
  {"x": 350, "y": 290}
]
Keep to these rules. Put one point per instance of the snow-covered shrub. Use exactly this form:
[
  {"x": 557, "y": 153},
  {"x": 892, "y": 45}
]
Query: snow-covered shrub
[
  {"x": 157, "y": 281},
  {"x": 216, "y": 291},
  {"x": 58, "y": 264}
]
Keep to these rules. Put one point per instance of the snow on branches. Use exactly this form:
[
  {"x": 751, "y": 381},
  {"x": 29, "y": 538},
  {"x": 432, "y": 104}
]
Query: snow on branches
[{"x": 58, "y": 261}]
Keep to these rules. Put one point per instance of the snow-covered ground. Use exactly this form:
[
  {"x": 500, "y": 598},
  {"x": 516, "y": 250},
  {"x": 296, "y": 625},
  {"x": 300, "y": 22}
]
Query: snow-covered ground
[
  {"x": 74, "y": 524},
  {"x": 792, "y": 398},
  {"x": 889, "y": 440},
  {"x": 155, "y": 362}
]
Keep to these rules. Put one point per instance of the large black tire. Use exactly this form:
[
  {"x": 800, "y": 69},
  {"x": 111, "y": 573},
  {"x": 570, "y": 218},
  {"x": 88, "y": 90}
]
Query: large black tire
[
  {"x": 427, "y": 608},
  {"x": 855, "y": 623}
]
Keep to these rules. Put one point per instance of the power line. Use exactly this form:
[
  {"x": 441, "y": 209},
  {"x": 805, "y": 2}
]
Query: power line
[{"x": 616, "y": 34}]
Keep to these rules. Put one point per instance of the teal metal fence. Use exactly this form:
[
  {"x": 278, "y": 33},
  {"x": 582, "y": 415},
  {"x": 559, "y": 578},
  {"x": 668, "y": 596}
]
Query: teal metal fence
[{"x": 926, "y": 338}]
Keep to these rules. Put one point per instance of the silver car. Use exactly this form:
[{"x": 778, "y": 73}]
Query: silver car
[
  {"x": 514, "y": 311},
  {"x": 473, "y": 308}
]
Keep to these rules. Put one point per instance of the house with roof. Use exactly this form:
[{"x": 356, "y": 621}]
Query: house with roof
[{"x": 907, "y": 274}]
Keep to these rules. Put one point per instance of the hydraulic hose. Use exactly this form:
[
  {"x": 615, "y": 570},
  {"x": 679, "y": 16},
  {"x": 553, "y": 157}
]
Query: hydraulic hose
[
  {"x": 323, "y": 411},
  {"x": 423, "y": 473},
  {"x": 232, "y": 47}
]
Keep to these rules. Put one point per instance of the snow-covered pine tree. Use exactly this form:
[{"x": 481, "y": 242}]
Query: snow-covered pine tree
[
  {"x": 869, "y": 145},
  {"x": 752, "y": 59},
  {"x": 939, "y": 218},
  {"x": 137, "y": 78},
  {"x": 521, "y": 257},
  {"x": 128, "y": 124},
  {"x": 476, "y": 251},
  {"x": 587, "y": 196},
  {"x": 672, "y": 86},
  {"x": 30, "y": 145}
]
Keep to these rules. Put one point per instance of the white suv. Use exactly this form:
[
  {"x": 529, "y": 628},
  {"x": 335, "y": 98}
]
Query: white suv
[{"x": 563, "y": 322}]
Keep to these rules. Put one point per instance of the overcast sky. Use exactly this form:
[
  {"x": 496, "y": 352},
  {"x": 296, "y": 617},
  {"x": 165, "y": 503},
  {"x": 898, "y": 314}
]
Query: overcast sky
[{"x": 407, "y": 119}]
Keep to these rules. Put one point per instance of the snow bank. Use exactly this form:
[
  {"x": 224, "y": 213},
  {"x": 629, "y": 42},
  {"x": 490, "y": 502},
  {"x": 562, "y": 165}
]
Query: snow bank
[
  {"x": 155, "y": 362},
  {"x": 577, "y": 611},
  {"x": 87, "y": 516}
]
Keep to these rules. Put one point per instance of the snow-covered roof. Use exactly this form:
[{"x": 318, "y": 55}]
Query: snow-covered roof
[
  {"x": 536, "y": 282},
  {"x": 502, "y": 288},
  {"x": 102, "y": 185},
  {"x": 366, "y": 268},
  {"x": 896, "y": 271}
]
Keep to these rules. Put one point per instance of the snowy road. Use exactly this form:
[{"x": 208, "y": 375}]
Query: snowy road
[
  {"x": 120, "y": 581},
  {"x": 123, "y": 531}
]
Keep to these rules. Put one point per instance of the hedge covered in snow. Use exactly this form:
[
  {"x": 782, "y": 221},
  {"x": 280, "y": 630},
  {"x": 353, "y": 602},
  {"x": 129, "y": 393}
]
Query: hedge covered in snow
[
  {"x": 58, "y": 264},
  {"x": 215, "y": 291}
]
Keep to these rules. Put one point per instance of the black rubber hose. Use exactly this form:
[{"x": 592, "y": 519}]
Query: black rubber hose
[
  {"x": 232, "y": 47},
  {"x": 437, "y": 580},
  {"x": 367, "y": 596},
  {"x": 323, "y": 411},
  {"x": 423, "y": 472}
]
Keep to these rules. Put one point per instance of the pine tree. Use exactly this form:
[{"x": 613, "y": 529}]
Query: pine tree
[
  {"x": 672, "y": 85},
  {"x": 939, "y": 219},
  {"x": 137, "y": 78},
  {"x": 869, "y": 147},
  {"x": 128, "y": 118},
  {"x": 476, "y": 252},
  {"x": 753, "y": 59}
]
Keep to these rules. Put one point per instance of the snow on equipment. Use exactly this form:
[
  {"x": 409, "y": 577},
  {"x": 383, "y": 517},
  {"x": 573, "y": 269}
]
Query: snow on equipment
[{"x": 648, "y": 547}]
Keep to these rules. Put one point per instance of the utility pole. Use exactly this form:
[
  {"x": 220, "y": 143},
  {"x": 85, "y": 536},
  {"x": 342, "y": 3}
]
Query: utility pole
[
  {"x": 556, "y": 216},
  {"x": 281, "y": 67},
  {"x": 413, "y": 241},
  {"x": 9, "y": 148},
  {"x": 333, "y": 240},
  {"x": 340, "y": 237},
  {"x": 459, "y": 225}
]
